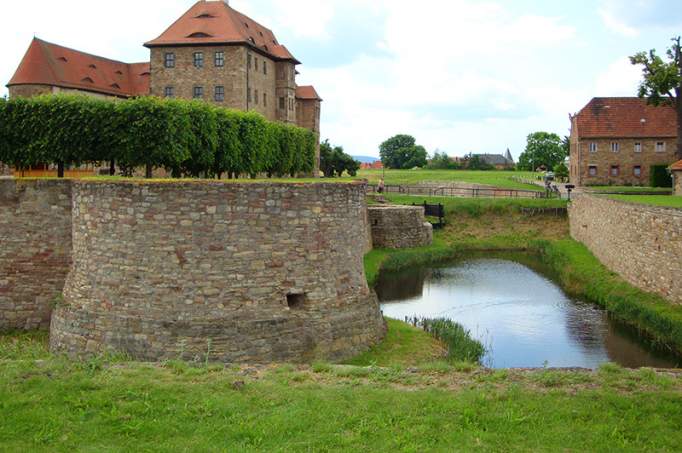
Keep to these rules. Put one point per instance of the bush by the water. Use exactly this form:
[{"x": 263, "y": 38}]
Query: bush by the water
[
  {"x": 190, "y": 138},
  {"x": 660, "y": 176},
  {"x": 461, "y": 346}
]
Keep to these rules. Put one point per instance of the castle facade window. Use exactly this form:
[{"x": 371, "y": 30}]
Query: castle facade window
[
  {"x": 282, "y": 103},
  {"x": 265, "y": 99},
  {"x": 169, "y": 60},
  {"x": 219, "y": 94},
  {"x": 615, "y": 147},
  {"x": 638, "y": 147},
  {"x": 169, "y": 92},
  {"x": 593, "y": 147},
  {"x": 198, "y": 92},
  {"x": 219, "y": 59},
  {"x": 637, "y": 171},
  {"x": 198, "y": 60},
  {"x": 660, "y": 147}
]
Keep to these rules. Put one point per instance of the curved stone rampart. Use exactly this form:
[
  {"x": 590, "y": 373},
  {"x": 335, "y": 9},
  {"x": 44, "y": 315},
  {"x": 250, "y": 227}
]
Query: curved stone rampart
[{"x": 244, "y": 272}]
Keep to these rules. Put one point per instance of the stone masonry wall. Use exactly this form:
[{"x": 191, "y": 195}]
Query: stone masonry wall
[
  {"x": 35, "y": 250},
  {"x": 399, "y": 227},
  {"x": 677, "y": 183},
  {"x": 252, "y": 272},
  {"x": 641, "y": 243}
]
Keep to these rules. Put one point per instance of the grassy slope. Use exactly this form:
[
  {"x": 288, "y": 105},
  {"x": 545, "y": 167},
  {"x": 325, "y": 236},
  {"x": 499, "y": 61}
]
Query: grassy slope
[
  {"x": 493, "y": 178},
  {"x": 655, "y": 200},
  {"x": 52, "y": 405}
]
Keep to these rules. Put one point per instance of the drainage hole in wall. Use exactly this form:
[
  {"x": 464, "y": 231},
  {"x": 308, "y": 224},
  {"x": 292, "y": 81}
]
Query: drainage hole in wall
[{"x": 296, "y": 301}]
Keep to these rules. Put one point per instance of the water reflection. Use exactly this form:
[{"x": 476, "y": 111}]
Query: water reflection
[{"x": 524, "y": 318}]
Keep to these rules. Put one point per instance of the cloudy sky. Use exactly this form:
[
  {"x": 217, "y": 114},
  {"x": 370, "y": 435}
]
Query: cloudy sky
[{"x": 460, "y": 75}]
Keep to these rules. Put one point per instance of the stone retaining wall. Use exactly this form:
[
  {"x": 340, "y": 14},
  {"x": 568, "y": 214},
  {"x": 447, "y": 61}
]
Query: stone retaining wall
[
  {"x": 399, "y": 227},
  {"x": 35, "y": 250},
  {"x": 245, "y": 272},
  {"x": 641, "y": 243}
]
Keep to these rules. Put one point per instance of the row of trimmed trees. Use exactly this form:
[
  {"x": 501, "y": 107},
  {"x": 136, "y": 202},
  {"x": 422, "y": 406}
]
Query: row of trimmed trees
[{"x": 187, "y": 138}]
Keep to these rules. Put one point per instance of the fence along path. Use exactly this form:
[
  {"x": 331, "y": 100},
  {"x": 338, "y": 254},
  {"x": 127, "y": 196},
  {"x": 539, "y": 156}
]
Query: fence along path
[{"x": 462, "y": 192}]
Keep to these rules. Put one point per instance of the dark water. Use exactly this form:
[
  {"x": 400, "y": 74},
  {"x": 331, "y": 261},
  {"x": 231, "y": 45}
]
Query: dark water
[{"x": 521, "y": 315}]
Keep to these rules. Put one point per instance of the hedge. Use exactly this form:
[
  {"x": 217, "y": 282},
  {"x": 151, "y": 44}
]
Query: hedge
[
  {"x": 187, "y": 138},
  {"x": 659, "y": 176}
]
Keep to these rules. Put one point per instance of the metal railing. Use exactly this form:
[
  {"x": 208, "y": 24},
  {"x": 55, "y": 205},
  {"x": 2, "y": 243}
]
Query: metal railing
[{"x": 462, "y": 192}]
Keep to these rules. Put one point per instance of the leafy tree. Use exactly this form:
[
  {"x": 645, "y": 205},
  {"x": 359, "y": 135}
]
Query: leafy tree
[
  {"x": 542, "y": 148},
  {"x": 334, "y": 161},
  {"x": 401, "y": 151},
  {"x": 441, "y": 161},
  {"x": 662, "y": 81},
  {"x": 474, "y": 162},
  {"x": 561, "y": 170}
]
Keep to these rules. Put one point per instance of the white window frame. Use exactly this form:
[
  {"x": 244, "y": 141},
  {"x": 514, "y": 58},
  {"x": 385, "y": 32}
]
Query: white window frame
[
  {"x": 634, "y": 171},
  {"x": 638, "y": 147},
  {"x": 594, "y": 147},
  {"x": 589, "y": 170},
  {"x": 660, "y": 149},
  {"x": 615, "y": 147}
]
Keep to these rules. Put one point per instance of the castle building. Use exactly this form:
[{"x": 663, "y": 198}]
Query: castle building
[
  {"x": 616, "y": 141},
  {"x": 212, "y": 52}
]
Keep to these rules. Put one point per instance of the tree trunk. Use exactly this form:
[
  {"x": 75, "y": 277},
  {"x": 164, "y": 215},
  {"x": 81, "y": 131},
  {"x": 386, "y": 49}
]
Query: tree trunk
[
  {"x": 112, "y": 167},
  {"x": 148, "y": 171},
  {"x": 60, "y": 169}
]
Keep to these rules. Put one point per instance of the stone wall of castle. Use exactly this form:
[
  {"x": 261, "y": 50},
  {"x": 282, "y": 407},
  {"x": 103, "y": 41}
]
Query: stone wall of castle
[
  {"x": 254, "y": 272},
  {"x": 641, "y": 243},
  {"x": 35, "y": 250},
  {"x": 399, "y": 227}
]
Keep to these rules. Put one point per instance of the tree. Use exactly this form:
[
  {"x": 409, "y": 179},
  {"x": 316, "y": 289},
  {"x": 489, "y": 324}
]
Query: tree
[
  {"x": 474, "y": 162},
  {"x": 334, "y": 161},
  {"x": 542, "y": 148},
  {"x": 662, "y": 82},
  {"x": 401, "y": 151},
  {"x": 441, "y": 161},
  {"x": 561, "y": 171}
]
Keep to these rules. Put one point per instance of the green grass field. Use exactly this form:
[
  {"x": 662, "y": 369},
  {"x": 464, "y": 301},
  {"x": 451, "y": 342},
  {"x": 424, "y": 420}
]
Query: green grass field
[
  {"x": 502, "y": 179},
  {"x": 628, "y": 189},
  {"x": 654, "y": 200},
  {"x": 50, "y": 404}
]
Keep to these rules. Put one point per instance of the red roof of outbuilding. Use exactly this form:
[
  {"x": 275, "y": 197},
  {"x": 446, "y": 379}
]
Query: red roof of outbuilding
[
  {"x": 215, "y": 22},
  {"x": 50, "y": 64},
  {"x": 626, "y": 118},
  {"x": 307, "y": 92},
  {"x": 677, "y": 166}
]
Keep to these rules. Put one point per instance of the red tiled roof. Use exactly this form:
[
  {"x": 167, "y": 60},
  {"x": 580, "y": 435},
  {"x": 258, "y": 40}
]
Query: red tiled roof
[
  {"x": 626, "y": 118},
  {"x": 307, "y": 92},
  {"x": 215, "y": 22},
  {"x": 49, "y": 64},
  {"x": 677, "y": 166}
]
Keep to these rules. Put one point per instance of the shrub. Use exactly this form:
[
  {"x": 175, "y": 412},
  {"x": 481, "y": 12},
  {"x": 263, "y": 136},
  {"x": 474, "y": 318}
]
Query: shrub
[
  {"x": 461, "y": 346},
  {"x": 659, "y": 176}
]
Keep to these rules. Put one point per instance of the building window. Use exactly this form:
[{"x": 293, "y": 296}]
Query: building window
[
  {"x": 248, "y": 61},
  {"x": 198, "y": 93},
  {"x": 265, "y": 67},
  {"x": 638, "y": 147},
  {"x": 219, "y": 95},
  {"x": 248, "y": 94},
  {"x": 291, "y": 104},
  {"x": 592, "y": 170},
  {"x": 282, "y": 103},
  {"x": 637, "y": 171},
  {"x": 615, "y": 170},
  {"x": 660, "y": 147},
  {"x": 265, "y": 99},
  {"x": 593, "y": 147},
  {"x": 198, "y": 59},
  {"x": 255, "y": 96},
  {"x": 255, "y": 63},
  {"x": 615, "y": 147},
  {"x": 219, "y": 59},
  {"x": 169, "y": 60},
  {"x": 169, "y": 92}
]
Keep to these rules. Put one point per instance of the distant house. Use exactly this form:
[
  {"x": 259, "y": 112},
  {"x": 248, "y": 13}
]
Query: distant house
[
  {"x": 618, "y": 140},
  {"x": 376, "y": 165},
  {"x": 499, "y": 161}
]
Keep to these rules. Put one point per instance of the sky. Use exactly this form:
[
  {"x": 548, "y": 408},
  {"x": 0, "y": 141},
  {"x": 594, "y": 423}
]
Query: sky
[{"x": 459, "y": 75}]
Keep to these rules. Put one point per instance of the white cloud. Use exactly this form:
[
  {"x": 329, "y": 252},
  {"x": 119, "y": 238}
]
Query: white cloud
[
  {"x": 620, "y": 78},
  {"x": 616, "y": 25},
  {"x": 630, "y": 17}
]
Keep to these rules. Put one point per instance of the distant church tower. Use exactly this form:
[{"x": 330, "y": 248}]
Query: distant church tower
[{"x": 509, "y": 157}]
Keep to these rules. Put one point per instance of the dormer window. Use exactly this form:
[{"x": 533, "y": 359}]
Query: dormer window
[
  {"x": 87, "y": 80},
  {"x": 115, "y": 86},
  {"x": 92, "y": 66},
  {"x": 62, "y": 59},
  {"x": 119, "y": 73},
  {"x": 205, "y": 16},
  {"x": 246, "y": 25},
  {"x": 199, "y": 34},
  {"x": 253, "y": 41}
]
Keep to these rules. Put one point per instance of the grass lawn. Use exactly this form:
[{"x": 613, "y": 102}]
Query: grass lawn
[
  {"x": 53, "y": 405},
  {"x": 502, "y": 179},
  {"x": 655, "y": 200},
  {"x": 628, "y": 189}
]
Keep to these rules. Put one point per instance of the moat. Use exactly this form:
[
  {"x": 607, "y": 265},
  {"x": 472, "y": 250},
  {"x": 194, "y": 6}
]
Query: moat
[{"x": 525, "y": 319}]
